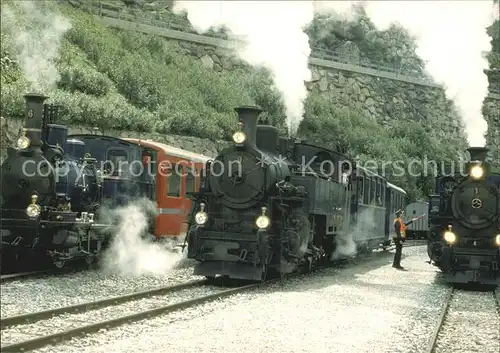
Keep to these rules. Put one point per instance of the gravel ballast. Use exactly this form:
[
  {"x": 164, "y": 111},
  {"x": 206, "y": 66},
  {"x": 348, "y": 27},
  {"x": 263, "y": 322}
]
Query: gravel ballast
[
  {"x": 471, "y": 325},
  {"x": 31, "y": 295},
  {"x": 67, "y": 322},
  {"x": 368, "y": 307}
]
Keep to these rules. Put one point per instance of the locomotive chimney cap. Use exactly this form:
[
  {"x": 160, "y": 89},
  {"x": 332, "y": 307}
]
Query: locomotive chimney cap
[
  {"x": 478, "y": 153},
  {"x": 248, "y": 107},
  {"x": 40, "y": 96}
]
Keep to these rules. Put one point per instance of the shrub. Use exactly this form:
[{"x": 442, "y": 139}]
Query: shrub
[{"x": 115, "y": 79}]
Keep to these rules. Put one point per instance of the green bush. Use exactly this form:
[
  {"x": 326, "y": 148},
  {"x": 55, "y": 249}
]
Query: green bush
[
  {"x": 115, "y": 79},
  {"x": 359, "y": 38}
]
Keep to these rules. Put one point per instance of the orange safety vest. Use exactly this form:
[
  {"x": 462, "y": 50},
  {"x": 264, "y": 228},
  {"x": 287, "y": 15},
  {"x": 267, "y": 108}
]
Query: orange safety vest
[{"x": 403, "y": 229}]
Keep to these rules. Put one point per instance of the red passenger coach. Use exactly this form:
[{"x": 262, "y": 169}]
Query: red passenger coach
[{"x": 177, "y": 172}]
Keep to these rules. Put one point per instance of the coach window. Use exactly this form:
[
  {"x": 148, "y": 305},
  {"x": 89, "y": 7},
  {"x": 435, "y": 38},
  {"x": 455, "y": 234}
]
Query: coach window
[
  {"x": 118, "y": 159},
  {"x": 378, "y": 196},
  {"x": 190, "y": 181},
  {"x": 366, "y": 192},
  {"x": 173, "y": 183},
  {"x": 361, "y": 189},
  {"x": 382, "y": 190},
  {"x": 373, "y": 191}
]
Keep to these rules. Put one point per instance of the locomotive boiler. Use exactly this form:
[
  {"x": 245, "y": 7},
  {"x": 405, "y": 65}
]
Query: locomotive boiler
[
  {"x": 464, "y": 223},
  {"x": 48, "y": 200},
  {"x": 258, "y": 212}
]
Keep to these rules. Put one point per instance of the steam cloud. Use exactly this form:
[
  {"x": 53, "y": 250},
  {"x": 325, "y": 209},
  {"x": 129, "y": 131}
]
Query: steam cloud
[
  {"x": 451, "y": 37},
  {"x": 274, "y": 38},
  {"x": 346, "y": 245},
  {"x": 36, "y": 32},
  {"x": 129, "y": 253}
]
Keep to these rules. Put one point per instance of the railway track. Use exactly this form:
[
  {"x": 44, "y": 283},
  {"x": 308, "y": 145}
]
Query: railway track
[
  {"x": 36, "y": 330},
  {"x": 454, "y": 299},
  {"x": 22, "y": 275}
]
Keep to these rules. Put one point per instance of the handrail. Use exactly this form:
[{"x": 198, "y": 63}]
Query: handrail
[{"x": 316, "y": 52}]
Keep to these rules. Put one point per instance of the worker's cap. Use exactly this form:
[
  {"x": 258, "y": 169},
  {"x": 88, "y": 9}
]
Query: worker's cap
[{"x": 399, "y": 212}]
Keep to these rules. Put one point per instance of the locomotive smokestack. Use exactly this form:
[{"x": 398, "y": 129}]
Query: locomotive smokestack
[
  {"x": 249, "y": 116},
  {"x": 477, "y": 153},
  {"x": 34, "y": 117}
]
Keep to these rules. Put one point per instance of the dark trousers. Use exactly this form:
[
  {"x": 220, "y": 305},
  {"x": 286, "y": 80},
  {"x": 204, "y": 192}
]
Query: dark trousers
[{"x": 397, "y": 255}]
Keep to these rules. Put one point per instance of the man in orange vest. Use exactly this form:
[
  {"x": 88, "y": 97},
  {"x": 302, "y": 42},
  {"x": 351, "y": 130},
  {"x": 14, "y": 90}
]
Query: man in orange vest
[{"x": 400, "y": 237}]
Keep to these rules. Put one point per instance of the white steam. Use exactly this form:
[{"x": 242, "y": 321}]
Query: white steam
[
  {"x": 132, "y": 254},
  {"x": 451, "y": 37},
  {"x": 36, "y": 32},
  {"x": 347, "y": 245},
  {"x": 274, "y": 38}
]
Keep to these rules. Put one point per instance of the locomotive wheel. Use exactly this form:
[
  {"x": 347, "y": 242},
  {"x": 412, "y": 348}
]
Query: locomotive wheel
[
  {"x": 90, "y": 261},
  {"x": 59, "y": 264}
]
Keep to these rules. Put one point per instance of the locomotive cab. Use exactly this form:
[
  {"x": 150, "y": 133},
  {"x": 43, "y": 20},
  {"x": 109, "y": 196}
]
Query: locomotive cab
[
  {"x": 74, "y": 148},
  {"x": 56, "y": 135}
]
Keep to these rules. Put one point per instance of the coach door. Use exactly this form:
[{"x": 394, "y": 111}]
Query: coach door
[{"x": 171, "y": 204}]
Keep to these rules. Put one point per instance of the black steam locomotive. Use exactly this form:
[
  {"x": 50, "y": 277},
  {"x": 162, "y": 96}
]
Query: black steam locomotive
[
  {"x": 271, "y": 205},
  {"x": 49, "y": 200},
  {"x": 464, "y": 223}
]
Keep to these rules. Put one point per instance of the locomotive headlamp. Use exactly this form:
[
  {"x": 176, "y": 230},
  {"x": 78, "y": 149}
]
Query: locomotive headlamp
[
  {"x": 34, "y": 209},
  {"x": 201, "y": 217},
  {"x": 239, "y": 137},
  {"x": 262, "y": 222},
  {"x": 497, "y": 240},
  {"x": 450, "y": 237},
  {"x": 476, "y": 172},
  {"x": 23, "y": 142}
]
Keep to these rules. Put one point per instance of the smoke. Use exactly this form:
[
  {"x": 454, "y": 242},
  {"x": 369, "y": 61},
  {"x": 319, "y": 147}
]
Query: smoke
[
  {"x": 268, "y": 34},
  {"x": 35, "y": 32},
  {"x": 131, "y": 254},
  {"x": 451, "y": 37},
  {"x": 346, "y": 245}
]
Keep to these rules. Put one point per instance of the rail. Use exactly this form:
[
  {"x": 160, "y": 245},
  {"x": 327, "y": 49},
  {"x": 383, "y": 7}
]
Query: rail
[
  {"x": 21, "y": 275},
  {"x": 437, "y": 337},
  {"x": 154, "y": 308}
]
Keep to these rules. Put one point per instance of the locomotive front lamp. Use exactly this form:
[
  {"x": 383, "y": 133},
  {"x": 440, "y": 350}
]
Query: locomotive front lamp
[
  {"x": 476, "y": 172},
  {"x": 33, "y": 210},
  {"x": 450, "y": 237},
  {"x": 239, "y": 137},
  {"x": 497, "y": 240},
  {"x": 23, "y": 142},
  {"x": 201, "y": 217},
  {"x": 262, "y": 222}
]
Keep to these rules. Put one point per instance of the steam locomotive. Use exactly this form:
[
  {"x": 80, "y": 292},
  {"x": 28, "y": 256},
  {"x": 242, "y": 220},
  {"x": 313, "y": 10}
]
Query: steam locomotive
[
  {"x": 269, "y": 206},
  {"x": 49, "y": 199},
  {"x": 464, "y": 223}
]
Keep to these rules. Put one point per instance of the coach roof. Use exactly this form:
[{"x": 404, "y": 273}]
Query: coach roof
[
  {"x": 171, "y": 150},
  {"x": 397, "y": 188}
]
